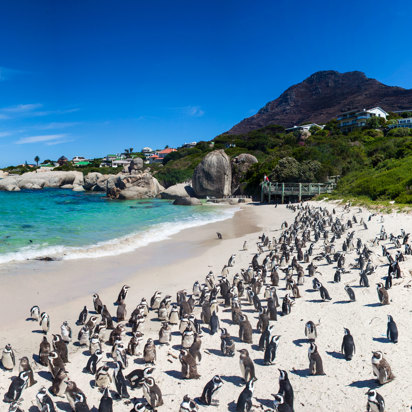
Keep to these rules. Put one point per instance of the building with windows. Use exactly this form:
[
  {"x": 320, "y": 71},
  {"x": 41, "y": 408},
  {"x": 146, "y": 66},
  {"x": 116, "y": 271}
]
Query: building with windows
[
  {"x": 303, "y": 127},
  {"x": 401, "y": 123},
  {"x": 358, "y": 118},
  {"x": 163, "y": 153}
]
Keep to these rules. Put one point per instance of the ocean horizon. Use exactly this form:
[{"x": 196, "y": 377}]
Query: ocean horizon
[{"x": 63, "y": 225}]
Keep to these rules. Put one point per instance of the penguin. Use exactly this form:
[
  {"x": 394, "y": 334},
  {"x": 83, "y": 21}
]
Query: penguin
[
  {"x": 271, "y": 348},
  {"x": 214, "y": 323},
  {"x": 66, "y": 332},
  {"x": 44, "y": 352},
  {"x": 382, "y": 294},
  {"x": 244, "y": 245},
  {"x": 381, "y": 368},
  {"x": 80, "y": 403},
  {"x": 8, "y": 358},
  {"x": 245, "y": 329},
  {"x": 310, "y": 331},
  {"x": 208, "y": 391},
  {"x": 350, "y": 293},
  {"x": 376, "y": 402},
  {"x": 324, "y": 294},
  {"x": 363, "y": 279},
  {"x": 152, "y": 393},
  {"x": 165, "y": 333},
  {"x": 92, "y": 363},
  {"x": 271, "y": 309},
  {"x": 280, "y": 404},
  {"x": 137, "y": 377},
  {"x": 16, "y": 387},
  {"x": 134, "y": 343},
  {"x": 219, "y": 235},
  {"x": 247, "y": 366},
  {"x": 194, "y": 350},
  {"x": 59, "y": 384},
  {"x": 82, "y": 317},
  {"x": 188, "y": 405},
  {"x": 388, "y": 281},
  {"x": 44, "y": 402},
  {"x": 162, "y": 312},
  {"x": 102, "y": 377},
  {"x": 149, "y": 352},
  {"x": 72, "y": 395},
  {"x": 285, "y": 388},
  {"x": 25, "y": 366},
  {"x": 55, "y": 363},
  {"x": 392, "y": 330},
  {"x": 189, "y": 368},
  {"x": 35, "y": 313},
  {"x": 61, "y": 348},
  {"x": 107, "y": 317},
  {"x": 122, "y": 294},
  {"x": 121, "y": 312},
  {"x": 286, "y": 305},
  {"x": 155, "y": 300},
  {"x": 120, "y": 381},
  {"x": 106, "y": 402},
  {"x": 91, "y": 324},
  {"x": 97, "y": 303},
  {"x": 231, "y": 261},
  {"x": 141, "y": 407},
  {"x": 337, "y": 276},
  {"x": 348, "y": 345},
  {"x": 174, "y": 315},
  {"x": 83, "y": 336},
  {"x": 266, "y": 337},
  {"x": 45, "y": 322},
  {"x": 244, "y": 402},
  {"x": 315, "y": 361},
  {"x": 94, "y": 344},
  {"x": 227, "y": 344}
]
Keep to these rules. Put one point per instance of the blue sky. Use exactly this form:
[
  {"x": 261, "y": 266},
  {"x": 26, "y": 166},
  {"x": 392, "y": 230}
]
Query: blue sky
[{"x": 91, "y": 77}]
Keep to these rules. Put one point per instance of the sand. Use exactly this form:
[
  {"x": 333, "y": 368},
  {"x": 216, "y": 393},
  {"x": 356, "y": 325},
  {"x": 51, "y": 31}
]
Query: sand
[{"x": 63, "y": 288}]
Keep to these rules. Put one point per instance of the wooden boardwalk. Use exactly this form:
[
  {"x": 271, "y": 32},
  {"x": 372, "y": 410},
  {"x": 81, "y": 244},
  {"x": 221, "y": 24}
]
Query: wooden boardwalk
[{"x": 298, "y": 190}]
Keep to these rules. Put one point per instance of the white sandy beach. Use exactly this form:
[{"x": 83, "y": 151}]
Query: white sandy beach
[{"x": 63, "y": 288}]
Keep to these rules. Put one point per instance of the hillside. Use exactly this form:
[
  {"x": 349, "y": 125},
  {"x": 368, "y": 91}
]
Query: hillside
[{"x": 324, "y": 95}]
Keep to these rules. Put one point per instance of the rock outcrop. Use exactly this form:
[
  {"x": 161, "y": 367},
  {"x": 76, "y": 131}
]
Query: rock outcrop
[
  {"x": 187, "y": 201},
  {"x": 40, "y": 180},
  {"x": 178, "y": 191},
  {"x": 323, "y": 96},
  {"x": 213, "y": 175},
  {"x": 240, "y": 165},
  {"x": 134, "y": 166},
  {"x": 141, "y": 185},
  {"x": 96, "y": 182}
]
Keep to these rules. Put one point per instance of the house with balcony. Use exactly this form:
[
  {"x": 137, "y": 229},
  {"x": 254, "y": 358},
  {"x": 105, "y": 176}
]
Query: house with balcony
[
  {"x": 78, "y": 159},
  {"x": 303, "y": 127},
  {"x": 163, "y": 153},
  {"x": 353, "y": 119},
  {"x": 401, "y": 123}
]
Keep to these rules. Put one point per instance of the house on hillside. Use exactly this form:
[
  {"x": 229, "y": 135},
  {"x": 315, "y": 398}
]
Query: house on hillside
[
  {"x": 401, "y": 123},
  {"x": 303, "y": 127},
  {"x": 155, "y": 159},
  {"x": 357, "y": 118},
  {"x": 78, "y": 159},
  {"x": 163, "y": 153},
  {"x": 190, "y": 145},
  {"x": 147, "y": 151}
]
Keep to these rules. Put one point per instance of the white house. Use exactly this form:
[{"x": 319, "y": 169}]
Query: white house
[
  {"x": 358, "y": 118},
  {"x": 402, "y": 123},
  {"x": 304, "y": 127}
]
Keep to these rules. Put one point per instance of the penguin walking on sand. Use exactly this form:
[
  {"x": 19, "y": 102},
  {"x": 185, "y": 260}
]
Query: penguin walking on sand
[
  {"x": 26, "y": 367},
  {"x": 209, "y": 390},
  {"x": 106, "y": 402},
  {"x": 324, "y": 294},
  {"x": 149, "y": 352},
  {"x": 102, "y": 377},
  {"x": 271, "y": 348},
  {"x": 122, "y": 294},
  {"x": 214, "y": 323},
  {"x": 8, "y": 359},
  {"x": 61, "y": 348},
  {"x": 120, "y": 381},
  {"x": 382, "y": 294},
  {"x": 188, "y": 405},
  {"x": 97, "y": 303},
  {"x": 280, "y": 405},
  {"x": 227, "y": 344},
  {"x": 137, "y": 377},
  {"x": 45, "y": 322},
  {"x": 231, "y": 260},
  {"x": 381, "y": 368},
  {"x": 310, "y": 330},
  {"x": 66, "y": 332},
  {"x": 35, "y": 313},
  {"x": 59, "y": 384},
  {"x": 247, "y": 366},
  {"x": 189, "y": 368},
  {"x": 392, "y": 330},
  {"x": 350, "y": 293},
  {"x": 16, "y": 387},
  {"x": 285, "y": 388},
  {"x": 315, "y": 361},
  {"x": 44, "y": 352},
  {"x": 93, "y": 362},
  {"x": 84, "y": 336},
  {"x": 44, "y": 402},
  {"x": 376, "y": 402},
  {"x": 348, "y": 345},
  {"x": 82, "y": 317},
  {"x": 244, "y": 402},
  {"x": 152, "y": 393}
]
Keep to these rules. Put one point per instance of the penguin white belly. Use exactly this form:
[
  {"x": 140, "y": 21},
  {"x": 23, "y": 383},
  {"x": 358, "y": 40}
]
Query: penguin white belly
[
  {"x": 7, "y": 361},
  {"x": 242, "y": 369}
]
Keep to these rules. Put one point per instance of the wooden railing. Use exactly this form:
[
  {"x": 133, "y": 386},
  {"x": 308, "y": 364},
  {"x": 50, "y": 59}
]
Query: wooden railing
[{"x": 298, "y": 190}]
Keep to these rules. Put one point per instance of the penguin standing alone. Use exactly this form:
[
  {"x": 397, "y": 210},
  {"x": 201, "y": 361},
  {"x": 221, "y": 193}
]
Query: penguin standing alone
[
  {"x": 348, "y": 345},
  {"x": 315, "y": 361},
  {"x": 392, "y": 330},
  {"x": 211, "y": 387}
]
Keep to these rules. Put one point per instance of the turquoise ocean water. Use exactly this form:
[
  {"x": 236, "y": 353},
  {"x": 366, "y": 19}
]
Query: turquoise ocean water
[{"x": 70, "y": 225}]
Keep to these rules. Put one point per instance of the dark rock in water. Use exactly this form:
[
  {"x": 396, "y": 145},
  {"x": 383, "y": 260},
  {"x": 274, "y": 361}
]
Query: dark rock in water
[
  {"x": 213, "y": 175},
  {"x": 46, "y": 259},
  {"x": 26, "y": 226},
  {"x": 187, "y": 201}
]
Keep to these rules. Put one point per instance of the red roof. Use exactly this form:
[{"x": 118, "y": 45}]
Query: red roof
[
  {"x": 154, "y": 157},
  {"x": 167, "y": 151}
]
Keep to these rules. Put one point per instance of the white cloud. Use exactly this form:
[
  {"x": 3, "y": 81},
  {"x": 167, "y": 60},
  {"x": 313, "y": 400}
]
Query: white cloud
[
  {"x": 6, "y": 73},
  {"x": 4, "y": 134},
  {"x": 40, "y": 139},
  {"x": 22, "y": 108},
  {"x": 193, "y": 111}
]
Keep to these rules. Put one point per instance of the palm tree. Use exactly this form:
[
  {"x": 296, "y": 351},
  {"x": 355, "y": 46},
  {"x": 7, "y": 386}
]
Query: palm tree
[
  {"x": 131, "y": 150},
  {"x": 37, "y": 160}
]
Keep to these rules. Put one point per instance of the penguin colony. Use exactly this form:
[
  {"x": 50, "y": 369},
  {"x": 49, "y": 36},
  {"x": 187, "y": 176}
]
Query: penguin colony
[{"x": 120, "y": 356}]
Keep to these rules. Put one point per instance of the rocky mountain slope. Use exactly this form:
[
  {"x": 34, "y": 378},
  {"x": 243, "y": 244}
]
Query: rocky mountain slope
[{"x": 324, "y": 95}]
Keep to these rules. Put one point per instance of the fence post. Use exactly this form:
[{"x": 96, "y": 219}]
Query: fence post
[
  {"x": 261, "y": 192},
  {"x": 270, "y": 190},
  {"x": 300, "y": 192},
  {"x": 318, "y": 188},
  {"x": 283, "y": 193}
]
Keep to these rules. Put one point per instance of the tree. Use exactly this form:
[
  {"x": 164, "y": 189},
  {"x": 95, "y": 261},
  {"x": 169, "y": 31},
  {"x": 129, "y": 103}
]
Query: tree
[
  {"x": 37, "y": 160},
  {"x": 131, "y": 150}
]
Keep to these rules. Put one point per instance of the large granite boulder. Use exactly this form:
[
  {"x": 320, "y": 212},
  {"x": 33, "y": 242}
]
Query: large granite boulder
[
  {"x": 134, "y": 166},
  {"x": 141, "y": 185},
  {"x": 96, "y": 182},
  {"x": 187, "y": 201},
  {"x": 240, "y": 165},
  {"x": 39, "y": 180},
  {"x": 177, "y": 191},
  {"x": 213, "y": 175}
]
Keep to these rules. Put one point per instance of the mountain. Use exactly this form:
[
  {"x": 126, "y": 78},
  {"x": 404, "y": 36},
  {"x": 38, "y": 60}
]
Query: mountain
[{"x": 323, "y": 96}]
